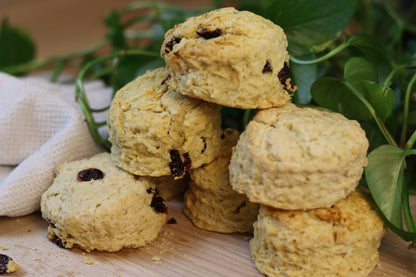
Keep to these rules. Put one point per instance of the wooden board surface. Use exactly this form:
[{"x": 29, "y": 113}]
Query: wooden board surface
[
  {"x": 182, "y": 249},
  {"x": 68, "y": 25}
]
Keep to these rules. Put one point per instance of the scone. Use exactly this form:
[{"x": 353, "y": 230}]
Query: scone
[
  {"x": 230, "y": 57},
  {"x": 298, "y": 158},
  {"x": 94, "y": 205},
  {"x": 210, "y": 201},
  {"x": 156, "y": 131},
  {"x": 341, "y": 240}
]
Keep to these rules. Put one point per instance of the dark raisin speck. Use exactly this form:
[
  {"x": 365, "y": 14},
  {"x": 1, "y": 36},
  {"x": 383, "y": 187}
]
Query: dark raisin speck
[
  {"x": 283, "y": 74},
  {"x": 158, "y": 204},
  {"x": 171, "y": 43},
  {"x": 4, "y": 263},
  {"x": 187, "y": 163},
  {"x": 204, "y": 140},
  {"x": 58, "y": 241},
  {"x": 149, "y": 190},
  {"x": 222, "y": 136},
  {"x": 176, "y": 165},
  {"x": 209, "y": 34},
  {"x": 267, "y": 67},
  {"x": 90, "y": 174},
  {"x": 166, "y": 79},
  {"x": 171, "y": 221}
]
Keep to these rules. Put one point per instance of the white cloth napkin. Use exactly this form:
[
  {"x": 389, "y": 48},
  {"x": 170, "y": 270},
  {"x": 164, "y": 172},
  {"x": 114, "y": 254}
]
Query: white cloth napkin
[{"x": 41, "y": 127}]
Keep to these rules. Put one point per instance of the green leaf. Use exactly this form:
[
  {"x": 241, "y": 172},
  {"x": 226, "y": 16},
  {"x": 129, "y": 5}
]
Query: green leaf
[
  {"x": 358, "y": 69},
  {"x": 115, "y": 32},
  {"x": 385, "y": 176},
  {"x": 363, "y": 77},
  {"x": 382, "y": 99},
  {"x": 310, "y": 26},
  {"x": 332, "y": 93},
  {"x": 303, "y": 77},
  {"x": 374, "y": 51},
  {"x": 16, "y": 46}
]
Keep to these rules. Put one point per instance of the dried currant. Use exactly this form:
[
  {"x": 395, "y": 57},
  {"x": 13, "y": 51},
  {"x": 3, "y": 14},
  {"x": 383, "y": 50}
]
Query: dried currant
[
  {"x": 209, "y": 34},
  {"x": 169, "y": 45},
  {"x": 58, "y": 241},
  {"x": 176, "y": 165},
  {"x": 166, "y": 79},
  {"x": 158, "y": 203},
  {"x": 204, "y": 140},
  {"x": 7, "y": 265},
  {"x": 187, "y": 163},
  {"x": 90, "y": 174},
  {"x": 267, "y": 67},
  {"x": 283, "y": 74}
]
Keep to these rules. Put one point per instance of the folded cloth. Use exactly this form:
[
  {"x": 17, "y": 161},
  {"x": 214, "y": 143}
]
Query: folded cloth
[{"x": 41, "y": 127}]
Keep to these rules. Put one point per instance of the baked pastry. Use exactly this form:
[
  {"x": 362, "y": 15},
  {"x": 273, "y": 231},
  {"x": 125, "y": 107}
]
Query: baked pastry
[
  {"x": 230, "y": 57},
  {"x": 7, "y": 264},
  {"x": 341, "y": 240},
  {"x": 94, "y": 205},
  {"x": 156, "y": 131},
  {"x": 210, "y": 201},
  {"x": 298, "y": 158}
]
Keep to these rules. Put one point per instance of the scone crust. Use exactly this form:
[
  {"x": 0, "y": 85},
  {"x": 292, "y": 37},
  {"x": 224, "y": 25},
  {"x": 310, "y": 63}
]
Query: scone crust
[
  {"x": 229, "y": 69},
  {"x": 211, "y": 203},
  {"x": 341, "y": 240},
  {"x": 298, "y": 158},
  {"x": 106, "y": 214},
  {"x": 147, "y": 121}
]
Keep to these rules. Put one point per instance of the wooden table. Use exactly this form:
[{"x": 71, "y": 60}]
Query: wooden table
[{"x": 181, "y": 249}]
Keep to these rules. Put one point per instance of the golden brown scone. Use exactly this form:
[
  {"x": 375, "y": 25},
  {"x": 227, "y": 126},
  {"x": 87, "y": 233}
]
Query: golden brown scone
[
  {"x": 230, "y": 57},
  {"x": 342, "y": 240},
  {"x": 210, "y": 201},
  {"x": 298, "y": 158},
  {"x": 156, "y": 131},
  {"x": 94, "y": 205}
]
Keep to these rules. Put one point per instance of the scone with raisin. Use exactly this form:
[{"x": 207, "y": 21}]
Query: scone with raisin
[
  {"x": 341, "y": 240},
  {"x": 298, "y": 158},
  {"x": 155, "y": 131},
  {"x": 229, "y": 57},
  {"x": 210, "y": 201},
  {"x": 94, "y": 205}
]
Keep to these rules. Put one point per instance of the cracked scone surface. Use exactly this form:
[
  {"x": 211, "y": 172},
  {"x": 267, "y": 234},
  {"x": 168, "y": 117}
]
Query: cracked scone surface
[
  {"x": 211, "y": 203},
  {"x": 230, "y": 57},
  {"x": 341, "y": 240},
  {"x": 105, "y": 214},
  {"x": 155, "y": 131},
  {"x": 298, "y": 158}
]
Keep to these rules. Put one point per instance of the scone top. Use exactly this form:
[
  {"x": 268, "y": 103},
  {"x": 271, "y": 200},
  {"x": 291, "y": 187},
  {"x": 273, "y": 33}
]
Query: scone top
[{"x": 229, "y": 57}]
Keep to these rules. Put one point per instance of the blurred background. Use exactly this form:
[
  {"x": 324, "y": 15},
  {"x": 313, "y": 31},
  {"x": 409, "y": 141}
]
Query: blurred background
[{"x": 67, "y": 25}]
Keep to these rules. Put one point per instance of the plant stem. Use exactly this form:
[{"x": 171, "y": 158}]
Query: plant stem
[
  {"x": 406, "y": 110},
  {"x": 379, "y": 122},
  {"x": 328, "y": 55}
]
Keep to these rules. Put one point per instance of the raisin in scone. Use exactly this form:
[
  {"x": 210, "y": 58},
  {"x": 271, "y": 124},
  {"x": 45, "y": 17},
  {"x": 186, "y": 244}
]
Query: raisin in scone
[
  {"x": 230, "y": 57},
  {"x": 94, "y": 205},
  {"x": 155, "y": 131},
  {"x": 210, "y": 201},
  {"x": 341, "y": 240},
  {"x": 298, "y": 158}
]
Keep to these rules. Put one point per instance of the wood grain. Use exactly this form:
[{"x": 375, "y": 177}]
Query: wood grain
[
  {"x": 68, "y": 25},
  {"x": 183, "y": 249}
]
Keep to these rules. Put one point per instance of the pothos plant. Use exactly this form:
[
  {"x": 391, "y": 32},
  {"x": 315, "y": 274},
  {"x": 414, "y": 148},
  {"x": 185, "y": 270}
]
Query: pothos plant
[{"x": 354, "y": 57}]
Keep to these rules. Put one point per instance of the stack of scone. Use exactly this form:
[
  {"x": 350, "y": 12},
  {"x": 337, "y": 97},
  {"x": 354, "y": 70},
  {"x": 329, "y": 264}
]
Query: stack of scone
[
  {"x": 294, "y": 170},
  {"x": 301, "y": 165}
]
